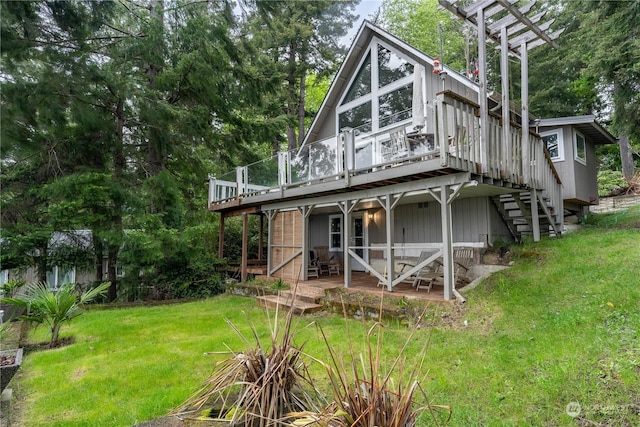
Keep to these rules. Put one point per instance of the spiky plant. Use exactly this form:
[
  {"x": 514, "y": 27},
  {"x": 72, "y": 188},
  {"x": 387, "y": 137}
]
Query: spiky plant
[
  {"x": 53, "y": 308},
  {"x": 257, "y": 387},
  {"x": 365, "y": 395}
]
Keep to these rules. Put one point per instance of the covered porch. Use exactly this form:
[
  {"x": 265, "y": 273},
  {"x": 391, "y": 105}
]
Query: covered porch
[{"x": 364, "y": 283}]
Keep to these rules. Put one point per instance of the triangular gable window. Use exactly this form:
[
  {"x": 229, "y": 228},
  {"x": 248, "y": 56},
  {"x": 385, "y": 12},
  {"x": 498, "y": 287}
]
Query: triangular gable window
[
  {"x": 381, "y": 92},
  {"x": 362, "y": 83},
  {"x": 391, "y": 67}
]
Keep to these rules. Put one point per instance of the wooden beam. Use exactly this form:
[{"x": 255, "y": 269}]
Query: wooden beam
[
  {"x": 524, "y": 100},
  {"x": 221, "y": 236},
  {"x": 447, "y": 243},
  {"x": 522, "y": 18},
  {"x": 261, "y": 239},
  {"x": 507, "y": 163},
  {"x": 509, "y": 19},
  {"x": 245, "y": 248},
  {"x": 484, "y": 104}
]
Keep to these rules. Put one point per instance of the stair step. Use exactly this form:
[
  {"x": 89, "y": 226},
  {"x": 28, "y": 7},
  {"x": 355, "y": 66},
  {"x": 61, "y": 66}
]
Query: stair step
[
  {"x": 299, "y": 307},
  {"x": 305, "y": 293}
]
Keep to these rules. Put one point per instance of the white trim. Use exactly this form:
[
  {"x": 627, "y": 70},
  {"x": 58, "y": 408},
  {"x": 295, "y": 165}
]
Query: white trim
[
  {"x": 560, "y": 156},
  {"x": 376, "y": 92},
  {"x": 340, "y": 233},
  {"x": 575, "y": 147},
  {"x": 4, "y": 277}
]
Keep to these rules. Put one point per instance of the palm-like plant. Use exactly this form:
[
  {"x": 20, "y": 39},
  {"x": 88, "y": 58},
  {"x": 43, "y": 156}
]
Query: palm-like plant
[{"x": 53, "y": 308}]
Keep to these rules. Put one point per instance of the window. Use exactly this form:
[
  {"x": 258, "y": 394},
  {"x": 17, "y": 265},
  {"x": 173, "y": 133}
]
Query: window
[
  {"x": 58, "y": 276},
  {"x": 380, "y": 93},
  {"x": 335, "y": 232},
  {"x": 580, "y": 149},
  {"x": 4, "y": 277},
  {"x": 361, "y": 84},
  {"x": 395, "y": 106},
  {"x": 358, "y": 117},
  {"x": 391, "y": 67},
  {"x": 554, "y": 144}
]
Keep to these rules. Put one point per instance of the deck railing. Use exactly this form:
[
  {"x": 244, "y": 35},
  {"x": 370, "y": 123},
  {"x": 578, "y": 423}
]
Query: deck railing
[{"x": 452, "y": 135}]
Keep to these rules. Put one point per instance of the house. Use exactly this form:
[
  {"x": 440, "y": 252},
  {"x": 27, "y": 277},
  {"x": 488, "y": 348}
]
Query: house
[
  {"x": 58, "y": 275},
  {"x": 405, "y": 157},
  {"x": 571, "y": 143}
]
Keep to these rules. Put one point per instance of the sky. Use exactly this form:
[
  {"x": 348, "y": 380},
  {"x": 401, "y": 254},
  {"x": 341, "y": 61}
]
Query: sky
[{"x": 364, "y": 9}]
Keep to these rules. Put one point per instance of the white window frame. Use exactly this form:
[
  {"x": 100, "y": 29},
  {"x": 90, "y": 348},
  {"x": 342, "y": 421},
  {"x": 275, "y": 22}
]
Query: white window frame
[
  {"x": 338, "y": 233},
  {"x": 560, "y": 156},
  {"x": 55, "y": 270},
  {"x": 4, "y": 277},
  {"x": 376, "y": 91},
  {"x": 577, "y": 158}
]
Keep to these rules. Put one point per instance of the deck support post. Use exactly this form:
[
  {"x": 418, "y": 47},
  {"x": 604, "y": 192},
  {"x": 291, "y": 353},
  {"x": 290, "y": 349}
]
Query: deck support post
[
  {"x": 346, "y": 207},
  {"x": 535, "y": 218},
  {"x": 446, "y": 198},
  {"x": 305, "y": 211},
  {"x": 245, "y": 247},
  {"x": 271, "y": 214},
  {"x": 389, "y": 203},
  {"x": 261, "y": 239},
  {"x": 221, "y": 236}
]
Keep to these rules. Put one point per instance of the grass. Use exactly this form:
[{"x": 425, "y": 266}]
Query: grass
[{"x": 561, "y": 326}]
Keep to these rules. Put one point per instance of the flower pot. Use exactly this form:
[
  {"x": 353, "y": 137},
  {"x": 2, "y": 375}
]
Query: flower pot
[{"x": 10, "y": 361}]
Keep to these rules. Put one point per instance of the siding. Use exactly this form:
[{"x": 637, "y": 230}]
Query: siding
[{"x": 286, "y": 239}]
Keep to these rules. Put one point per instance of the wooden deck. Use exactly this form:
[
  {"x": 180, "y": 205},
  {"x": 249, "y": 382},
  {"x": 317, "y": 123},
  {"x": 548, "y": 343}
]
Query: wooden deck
[{"x": 365, "y": 283}]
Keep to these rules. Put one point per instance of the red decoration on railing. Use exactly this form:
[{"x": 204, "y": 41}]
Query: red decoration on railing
[{"x": 437, "y": 67}]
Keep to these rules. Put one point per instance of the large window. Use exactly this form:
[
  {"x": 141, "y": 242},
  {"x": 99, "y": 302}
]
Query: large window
[
  {"x": 554, "y": 144},
  {"x": 580, "y": 149},
  {"x": 380, "y": 93},
  {"x": 58, "y": 276},
  {"x": 335, "y": 232}
]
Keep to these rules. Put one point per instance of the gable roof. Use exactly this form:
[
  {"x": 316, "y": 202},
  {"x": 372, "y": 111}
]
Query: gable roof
[
  {"x": 585, "y": 124},
  {"x": 349, "y": 66}
]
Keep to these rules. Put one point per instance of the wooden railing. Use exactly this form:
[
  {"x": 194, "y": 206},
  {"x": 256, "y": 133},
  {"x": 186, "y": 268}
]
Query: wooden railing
[{"x": 455, "y": 139}]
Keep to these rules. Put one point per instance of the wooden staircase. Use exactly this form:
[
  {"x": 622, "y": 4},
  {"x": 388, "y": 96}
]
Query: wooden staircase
[
  {"x": 519, "y": 210},
  {"x": 307, "y": 300}
]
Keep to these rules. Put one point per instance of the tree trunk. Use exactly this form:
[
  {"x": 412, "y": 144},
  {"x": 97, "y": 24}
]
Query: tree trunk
[
  {"x": 292, "y": 102},
  {"x": 301, "y": 114},
  {"x": 99, "y": 252},
  {"x": 626, "y": 156}
]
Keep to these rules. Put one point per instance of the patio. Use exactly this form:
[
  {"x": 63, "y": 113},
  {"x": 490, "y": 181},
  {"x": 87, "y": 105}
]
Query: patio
[{"x": 362, "y": 282}]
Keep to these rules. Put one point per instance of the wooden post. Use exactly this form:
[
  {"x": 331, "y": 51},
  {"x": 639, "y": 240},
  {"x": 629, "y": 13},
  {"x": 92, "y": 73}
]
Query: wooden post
[
  {"x": 507, "y": 165},
  {"x": 535, "y": 219},
  {"x": 389, "y": 223},
  {"x": 484, "y": 108},
  {"x": 245, "y": 247},
  {"x": 346, "y": 208},
  {"x": 526, "y": 149},
  {"x": 447, "y": 242},
  {"x": 221, "y": 236},
  {"x": 261, "y": 239}
]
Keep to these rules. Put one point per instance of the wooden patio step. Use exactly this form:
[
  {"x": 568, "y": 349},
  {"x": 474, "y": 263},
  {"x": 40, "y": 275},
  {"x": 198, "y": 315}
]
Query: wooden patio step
[
  {"x": 305, "y": 293},
  {"x": 299, "y": 307}
]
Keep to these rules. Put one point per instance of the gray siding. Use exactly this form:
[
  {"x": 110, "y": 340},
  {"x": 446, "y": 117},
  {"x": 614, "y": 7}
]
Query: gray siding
[
  {"x": 579, "y": 182},
  {"x": 471, "y": 219}
]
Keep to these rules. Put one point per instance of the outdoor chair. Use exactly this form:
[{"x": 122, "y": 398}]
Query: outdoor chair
[
  {"x": 398, "y": 145},
  {"x": 313, "y": 269},
  {"x": 461, "y": 263},
  {"x": 322, "y": 254}
]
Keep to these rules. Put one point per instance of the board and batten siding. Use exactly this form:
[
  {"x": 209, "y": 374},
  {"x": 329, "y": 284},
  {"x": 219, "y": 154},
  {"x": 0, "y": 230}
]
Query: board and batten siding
[
  {"x": 475, "y": 221},
  {"x": 286, "y": 239}
]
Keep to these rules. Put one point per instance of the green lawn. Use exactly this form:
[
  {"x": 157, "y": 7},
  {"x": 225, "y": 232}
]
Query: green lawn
[{"x": 561, "y": 326}]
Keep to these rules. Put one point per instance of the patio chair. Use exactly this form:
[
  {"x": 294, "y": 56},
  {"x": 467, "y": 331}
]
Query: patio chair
[
  {"x": 461, "y": 263},
  {"x": 313, "y": 269},
  {"x": 322, "y": 253},
  {"x": 398, "y": 145}
]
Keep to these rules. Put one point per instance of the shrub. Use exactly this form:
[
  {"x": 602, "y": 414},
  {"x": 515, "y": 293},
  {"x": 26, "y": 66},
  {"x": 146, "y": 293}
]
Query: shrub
[
  {"x": 611, "y": 183},
  {"x": 43, "y": 305}
]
